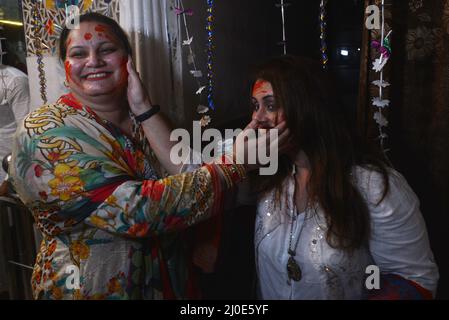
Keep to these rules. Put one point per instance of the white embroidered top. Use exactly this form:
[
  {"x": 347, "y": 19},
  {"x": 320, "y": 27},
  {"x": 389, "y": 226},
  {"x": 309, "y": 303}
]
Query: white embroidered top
[{"x": 398, "y": 244}]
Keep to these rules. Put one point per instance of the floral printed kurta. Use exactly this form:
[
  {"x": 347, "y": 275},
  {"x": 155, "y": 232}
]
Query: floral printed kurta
[{"x": 99, "y": 198}]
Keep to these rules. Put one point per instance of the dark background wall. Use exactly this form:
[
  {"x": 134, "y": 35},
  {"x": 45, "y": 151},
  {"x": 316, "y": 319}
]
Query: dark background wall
[{"x": 247, "y": 32}]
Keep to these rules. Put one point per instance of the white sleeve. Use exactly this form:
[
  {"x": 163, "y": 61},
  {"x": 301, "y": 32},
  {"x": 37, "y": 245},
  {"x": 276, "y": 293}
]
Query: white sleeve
[
  {"x": 19, "y": 99},
  {"x": 399, "y": 243}
]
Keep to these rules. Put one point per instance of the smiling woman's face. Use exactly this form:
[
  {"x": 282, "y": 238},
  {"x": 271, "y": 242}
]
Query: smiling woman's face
[
  {"x": 265, "y": 109},
  {"x": 96, "y": 61}
]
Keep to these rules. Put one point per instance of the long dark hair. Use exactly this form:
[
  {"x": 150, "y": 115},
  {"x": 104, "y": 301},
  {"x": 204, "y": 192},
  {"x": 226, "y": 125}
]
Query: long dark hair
[
  {"x": 319, "y": 127},
  {"x": 95, "y": 17}
]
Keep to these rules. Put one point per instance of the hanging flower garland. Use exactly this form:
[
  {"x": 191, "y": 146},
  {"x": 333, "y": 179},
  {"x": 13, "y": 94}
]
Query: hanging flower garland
[
  {"x": 383, "y": 48},
  {"x": 37, "y": 29},
  {"x": 283, "y": 43},
  {"x": 210, "y": 53},
  {"x": 195, "y": 72},
  {"x": 323, "y": 26}
]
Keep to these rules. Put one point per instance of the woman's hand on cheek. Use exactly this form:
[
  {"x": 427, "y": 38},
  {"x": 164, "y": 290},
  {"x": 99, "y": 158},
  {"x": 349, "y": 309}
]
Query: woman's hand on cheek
[
  {"x": 138, "y": 98},
  {"x": 286, "y": 143}
]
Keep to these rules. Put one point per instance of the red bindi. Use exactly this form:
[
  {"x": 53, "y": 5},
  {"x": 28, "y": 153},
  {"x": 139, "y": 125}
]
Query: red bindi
[{"x": 88, "y": 36}]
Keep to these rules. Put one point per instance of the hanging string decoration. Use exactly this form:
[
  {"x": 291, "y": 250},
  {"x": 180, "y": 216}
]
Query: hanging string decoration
[
  {"x": 323, "y": 26},
  {"x": 383, "y": 48},
  {"x": 197, "y": 74},
  {"x": 283, "y": 43},
  {"x": 37, "y": 36},
  {"x": 210, "y": 53}
]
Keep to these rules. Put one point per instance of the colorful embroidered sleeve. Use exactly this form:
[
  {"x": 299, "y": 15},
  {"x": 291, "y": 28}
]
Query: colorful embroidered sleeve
[{"x": 69, "y": 169}]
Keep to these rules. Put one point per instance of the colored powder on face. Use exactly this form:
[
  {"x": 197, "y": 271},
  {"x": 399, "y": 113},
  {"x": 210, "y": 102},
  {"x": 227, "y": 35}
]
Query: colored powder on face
[
  {"x": 88, "y": 36},
  {"x": 69, "y": 41},
  {"x": 100, "y": 28},
  {"x": 258, "y": 86},
  {"x": 124, "y": 71},
  {"x": 107, "y": 36},
  {"x": 68, "y": 71}
]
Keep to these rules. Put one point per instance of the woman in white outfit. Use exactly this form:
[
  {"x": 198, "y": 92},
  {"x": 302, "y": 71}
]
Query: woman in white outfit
[{"x": 331, "y": 211}]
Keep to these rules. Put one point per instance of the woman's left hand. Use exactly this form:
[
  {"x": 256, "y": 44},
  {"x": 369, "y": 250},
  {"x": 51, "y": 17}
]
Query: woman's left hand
[{"x": 138, "y": 98}]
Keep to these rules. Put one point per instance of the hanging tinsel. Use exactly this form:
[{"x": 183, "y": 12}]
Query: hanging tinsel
[
  {"x": 37, "y": 36},
  {"x": 283, "y": 43},
  {"x": 195, "y": 72},
  {"x": 323, "y": 25},
  {"x": 383, "y": 48},
  {"x": 210, "y": 53}
]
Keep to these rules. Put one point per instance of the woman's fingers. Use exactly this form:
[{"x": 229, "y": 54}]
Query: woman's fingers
[
  {"x": 252, "y": 125},
  {"x": 281, "y": 127},
  {"x": 133, "y": 75},
  {"x": 284, "y": 143},
  {"x": 138, "y": 97}
]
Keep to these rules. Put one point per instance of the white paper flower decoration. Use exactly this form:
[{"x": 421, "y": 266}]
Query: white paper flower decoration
[
  {"x": 202, "y": 109},
  {"x": 205, "y": 120},
  {"x": 380, "y": 119},
  {"x": 200, "y": 90},
  {"x": 381, "y": 103},
  {"x": 379, "y": 64},
  {"x": 196, "y": 73},
  {"x": 187, "y": 42},
  {"x": 380, "y": 83}
]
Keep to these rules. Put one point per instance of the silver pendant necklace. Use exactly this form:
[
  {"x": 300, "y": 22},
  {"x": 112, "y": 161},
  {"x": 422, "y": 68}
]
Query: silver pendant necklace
[{"x": 293, "y": 269}]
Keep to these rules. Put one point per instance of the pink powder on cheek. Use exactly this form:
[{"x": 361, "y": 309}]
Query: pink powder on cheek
[{"x": 68, "y": 71}]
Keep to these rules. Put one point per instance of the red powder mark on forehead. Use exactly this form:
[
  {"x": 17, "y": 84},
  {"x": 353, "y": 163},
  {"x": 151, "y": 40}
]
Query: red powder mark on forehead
[
  {"x": 100, "y": 28},
  {"x": 69, "y": 41},
  {"x": 88, "y": 36},
  {"x": 258, "y": 86},
  {"x": 107, "y": 36}
]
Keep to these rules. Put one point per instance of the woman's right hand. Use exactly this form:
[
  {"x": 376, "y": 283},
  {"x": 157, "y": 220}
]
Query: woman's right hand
[
  {"x": 138, "y": 97},
  {"x": 254, "y": 150}
]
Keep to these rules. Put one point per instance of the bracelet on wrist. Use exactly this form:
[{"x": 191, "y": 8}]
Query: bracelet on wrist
[{"x": 148, "y": 114}]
